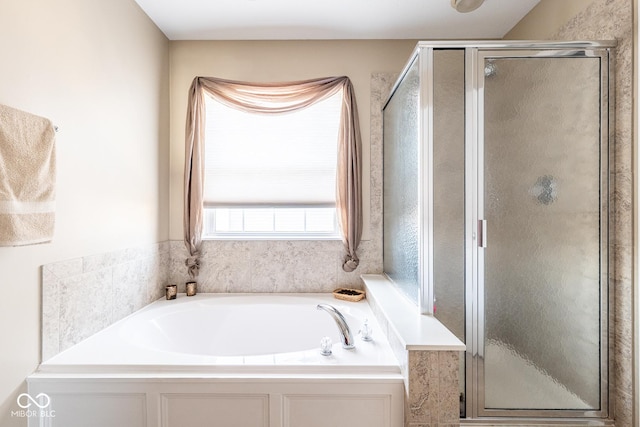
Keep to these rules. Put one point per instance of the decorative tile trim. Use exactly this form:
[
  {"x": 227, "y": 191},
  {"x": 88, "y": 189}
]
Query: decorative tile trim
[{"x": 82, "y": 296}]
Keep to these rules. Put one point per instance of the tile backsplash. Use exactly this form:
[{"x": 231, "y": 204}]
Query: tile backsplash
[
  {"x": 82, "y": 296},
  {"x": 271, "y": 266}
]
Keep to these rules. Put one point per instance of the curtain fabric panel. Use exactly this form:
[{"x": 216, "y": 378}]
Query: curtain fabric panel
[{"x": 269, "y": 98}]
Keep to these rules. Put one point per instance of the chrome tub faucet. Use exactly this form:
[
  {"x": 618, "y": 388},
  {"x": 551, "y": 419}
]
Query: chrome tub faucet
[{"x": 347, "y": 338}]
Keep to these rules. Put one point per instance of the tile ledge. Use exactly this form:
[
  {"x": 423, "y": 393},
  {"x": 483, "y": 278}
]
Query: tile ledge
[{"x": 414, "y": 330}]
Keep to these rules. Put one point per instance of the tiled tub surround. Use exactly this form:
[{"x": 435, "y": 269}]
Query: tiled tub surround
[
  {"x": 82, "y": 296},
  {"x": 427, "y": 351},
  {"x": 273, "y": 265}
]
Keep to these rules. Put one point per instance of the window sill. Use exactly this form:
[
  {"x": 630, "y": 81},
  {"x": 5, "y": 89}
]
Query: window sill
[{"x": 263, "y": 237}]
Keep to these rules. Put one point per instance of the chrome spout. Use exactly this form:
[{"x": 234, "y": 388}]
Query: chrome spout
[{"x": 347, "y": 338}]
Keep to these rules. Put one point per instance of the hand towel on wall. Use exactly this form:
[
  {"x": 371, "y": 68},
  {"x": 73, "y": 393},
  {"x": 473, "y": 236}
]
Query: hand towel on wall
[{"x": 27, "y": 178}]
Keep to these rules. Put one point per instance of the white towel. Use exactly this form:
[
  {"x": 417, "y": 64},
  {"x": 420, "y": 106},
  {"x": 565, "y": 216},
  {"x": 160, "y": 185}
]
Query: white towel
[{"x": 27, "y": 178}]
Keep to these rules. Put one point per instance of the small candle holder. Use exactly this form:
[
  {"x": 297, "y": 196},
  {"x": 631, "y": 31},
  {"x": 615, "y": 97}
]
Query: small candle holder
[
  {"x": 192, "y": 288},
  {"x": 171, "y": 291}
]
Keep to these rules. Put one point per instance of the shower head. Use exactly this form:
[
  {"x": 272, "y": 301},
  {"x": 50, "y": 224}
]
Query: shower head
[
  {"x": 465, "y": 6},
  {"x": 490, "y": 69}
]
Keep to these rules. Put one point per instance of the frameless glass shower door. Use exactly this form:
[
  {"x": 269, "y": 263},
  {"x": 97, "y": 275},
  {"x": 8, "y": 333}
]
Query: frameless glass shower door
[{"x": 542, "y": 221}]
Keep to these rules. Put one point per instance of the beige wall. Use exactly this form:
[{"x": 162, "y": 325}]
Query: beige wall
[
  {"x": 100, "y": 70},
  {"x": 546, "y": 19},
  {"x": 275, "y": 61}
]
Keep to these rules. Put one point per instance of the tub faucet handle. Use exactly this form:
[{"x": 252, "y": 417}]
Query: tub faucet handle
[
  {"x": 325, "y": 346},
  {"x": 365, "y": 332}
]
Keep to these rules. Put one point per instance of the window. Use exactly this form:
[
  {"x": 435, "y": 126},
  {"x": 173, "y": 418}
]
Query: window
[
  {"x": 263, "y": 98},
  {"x": 271, "y": 175}
]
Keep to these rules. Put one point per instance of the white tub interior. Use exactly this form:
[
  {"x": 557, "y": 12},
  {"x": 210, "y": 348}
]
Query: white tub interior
[{"x": 218, "y": 331}]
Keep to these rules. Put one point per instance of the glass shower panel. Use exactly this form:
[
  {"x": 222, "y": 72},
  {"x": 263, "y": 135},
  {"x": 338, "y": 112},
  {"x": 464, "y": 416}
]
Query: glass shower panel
[
  {"x": 542, "y": 209},
  {"x": 448, "y": 193},
  {"x": 448, "y": 188},
  {"x": 401, "y": 178}
]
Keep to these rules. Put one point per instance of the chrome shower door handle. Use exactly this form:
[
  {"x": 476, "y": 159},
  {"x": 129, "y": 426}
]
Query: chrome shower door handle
[{"x": 482, "y": 233}]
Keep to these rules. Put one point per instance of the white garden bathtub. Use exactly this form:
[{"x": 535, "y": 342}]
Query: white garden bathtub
[
  {"x": 229, "y": 359},
  {"x": 229, "y": 331}
]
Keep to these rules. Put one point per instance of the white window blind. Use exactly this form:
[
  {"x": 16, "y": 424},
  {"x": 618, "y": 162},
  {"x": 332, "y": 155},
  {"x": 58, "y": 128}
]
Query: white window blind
[{"x": 277, "y": 160}]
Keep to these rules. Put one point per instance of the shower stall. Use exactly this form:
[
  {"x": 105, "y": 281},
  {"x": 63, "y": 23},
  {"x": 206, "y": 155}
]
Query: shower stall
[{"x": 496, "y": 217}]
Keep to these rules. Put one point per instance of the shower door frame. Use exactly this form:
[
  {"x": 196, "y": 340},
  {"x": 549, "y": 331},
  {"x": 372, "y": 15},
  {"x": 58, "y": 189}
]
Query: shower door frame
[{"x": 474, "y": 214}]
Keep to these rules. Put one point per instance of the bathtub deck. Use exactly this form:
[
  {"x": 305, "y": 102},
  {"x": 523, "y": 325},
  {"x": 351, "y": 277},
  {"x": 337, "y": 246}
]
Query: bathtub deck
[{"x": 115, "y": 350}]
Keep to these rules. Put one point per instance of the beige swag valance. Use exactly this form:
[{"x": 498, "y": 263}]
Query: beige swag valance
[{"x": 274, "y": 98}]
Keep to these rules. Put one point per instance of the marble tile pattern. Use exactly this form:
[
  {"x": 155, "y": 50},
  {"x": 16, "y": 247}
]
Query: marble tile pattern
[
  {"x": 294, "y": 266},
  {"x": 266, "y": 266},
  {"x": 432, "y": 389},
  {"x": 82, "y": 296},
  {"x": 606, "y": 20}
]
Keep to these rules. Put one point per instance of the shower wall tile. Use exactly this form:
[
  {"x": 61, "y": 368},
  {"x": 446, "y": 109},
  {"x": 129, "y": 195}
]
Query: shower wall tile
[
  {"x": 84, "y": 295},
  {"x": 621, "y": 213},
  {"x": 623, "y": 264},
  {"x": 624, "y": 409},
  {"x": 607, "y": 20},
  {"x": 623, "y": 144}
]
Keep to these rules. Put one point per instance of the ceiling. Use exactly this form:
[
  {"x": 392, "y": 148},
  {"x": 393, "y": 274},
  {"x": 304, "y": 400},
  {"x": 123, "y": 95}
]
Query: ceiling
[{"x": 331, "y": 19}]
